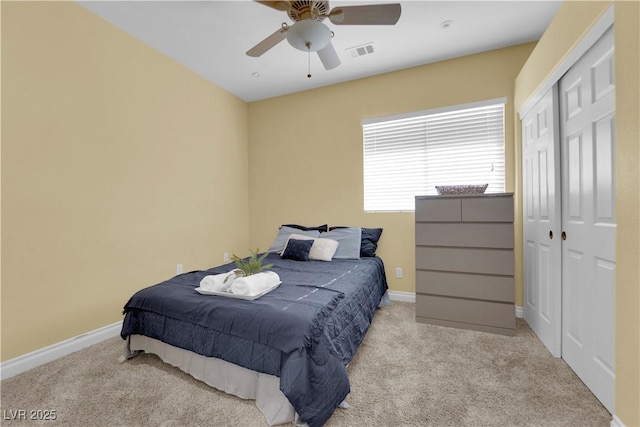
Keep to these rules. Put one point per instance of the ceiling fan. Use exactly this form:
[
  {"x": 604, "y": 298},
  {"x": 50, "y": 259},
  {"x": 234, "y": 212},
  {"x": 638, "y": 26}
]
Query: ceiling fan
[{"x": 310, "y": 34}]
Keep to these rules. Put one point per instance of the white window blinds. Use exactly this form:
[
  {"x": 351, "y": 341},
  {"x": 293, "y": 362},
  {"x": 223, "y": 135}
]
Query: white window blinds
[{"x": 409, "y": 155}]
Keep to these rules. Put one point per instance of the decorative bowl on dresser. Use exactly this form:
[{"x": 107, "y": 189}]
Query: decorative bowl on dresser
[{"x": 465, "y": 262}]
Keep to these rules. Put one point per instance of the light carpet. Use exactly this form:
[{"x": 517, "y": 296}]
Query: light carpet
[{"x": 404, "y": 374}]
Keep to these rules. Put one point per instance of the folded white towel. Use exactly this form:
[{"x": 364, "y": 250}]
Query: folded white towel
[
  {"x": 218, "y": 282},
  {"x": 255, "y": 284}
]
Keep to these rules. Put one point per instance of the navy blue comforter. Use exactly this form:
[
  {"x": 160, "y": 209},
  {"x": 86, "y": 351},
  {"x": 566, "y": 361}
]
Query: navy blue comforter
[{"x": 305, "y": 332}]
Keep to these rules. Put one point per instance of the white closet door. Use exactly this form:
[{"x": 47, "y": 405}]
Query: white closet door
[
  {"x": 587, "y": 105},
  {"x": 541, "y": 210}
]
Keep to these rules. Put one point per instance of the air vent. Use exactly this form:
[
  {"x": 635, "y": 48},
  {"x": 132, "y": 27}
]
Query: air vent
[{"x": 365, "y": 49}]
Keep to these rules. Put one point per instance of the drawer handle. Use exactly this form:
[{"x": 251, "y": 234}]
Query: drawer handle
[
  {"x": 564, "y": 236},
  {"x": 551, "y": 234}
]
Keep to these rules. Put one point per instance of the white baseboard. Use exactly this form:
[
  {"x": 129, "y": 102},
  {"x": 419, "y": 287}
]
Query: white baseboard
[
  {"x": 402, "y": 296},
  {"x": 55, "y": 351},
  {"x": 616, "y": 422},
  {"x": 519, "y": 312}
]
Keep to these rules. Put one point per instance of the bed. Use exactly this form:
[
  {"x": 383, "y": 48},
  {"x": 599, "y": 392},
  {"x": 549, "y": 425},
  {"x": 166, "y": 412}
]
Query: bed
[{"x": 288, "y": 349}]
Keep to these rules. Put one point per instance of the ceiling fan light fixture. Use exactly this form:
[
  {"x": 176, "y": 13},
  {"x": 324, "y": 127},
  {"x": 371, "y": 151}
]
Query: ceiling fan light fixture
[{"x": 309, "y": 35}]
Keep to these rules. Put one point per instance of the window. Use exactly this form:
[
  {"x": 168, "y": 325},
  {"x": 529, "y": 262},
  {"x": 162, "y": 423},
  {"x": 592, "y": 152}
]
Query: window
[{"x": 408, "y": 155}]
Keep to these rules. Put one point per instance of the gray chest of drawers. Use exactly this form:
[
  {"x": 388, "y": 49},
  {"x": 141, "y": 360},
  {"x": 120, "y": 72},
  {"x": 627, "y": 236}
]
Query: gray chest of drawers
[{"x": 465, "y": 262}]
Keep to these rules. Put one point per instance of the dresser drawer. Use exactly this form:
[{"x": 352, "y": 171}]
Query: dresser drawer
[
  {"x": 475, "y": 235},
  {"x": 487, "y": 209},
  {"x": 466, "y": 311},
  {"x": 494, "y": 288},
  {"x": 439, "y": 210},
  {"x": 464, "y": 260}
]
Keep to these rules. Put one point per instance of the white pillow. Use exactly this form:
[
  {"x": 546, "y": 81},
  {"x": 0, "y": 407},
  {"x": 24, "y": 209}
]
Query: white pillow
[{"x": 322, "y": 249}]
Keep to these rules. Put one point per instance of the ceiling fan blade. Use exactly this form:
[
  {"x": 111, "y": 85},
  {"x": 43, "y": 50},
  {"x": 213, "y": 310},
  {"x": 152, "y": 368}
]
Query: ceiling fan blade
[
  {"x": 374, "y": 14},
  {"x": 269, "y": 42},
  {"x": 329, "y": 57},
  {"x": 278, "y": 5}
]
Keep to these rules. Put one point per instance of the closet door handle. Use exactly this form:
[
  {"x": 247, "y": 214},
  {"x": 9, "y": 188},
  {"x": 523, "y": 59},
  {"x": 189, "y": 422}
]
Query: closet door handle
[
  {"x": 564, "y": 236},
  {"x": 551, "y": 234}
]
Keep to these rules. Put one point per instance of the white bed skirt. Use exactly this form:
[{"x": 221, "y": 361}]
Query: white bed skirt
[{"x": 224, "y": 376}]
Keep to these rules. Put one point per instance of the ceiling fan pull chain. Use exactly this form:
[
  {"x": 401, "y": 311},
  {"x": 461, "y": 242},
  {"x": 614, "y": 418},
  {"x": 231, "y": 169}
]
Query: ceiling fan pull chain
[{"x": 309, "y": 59}]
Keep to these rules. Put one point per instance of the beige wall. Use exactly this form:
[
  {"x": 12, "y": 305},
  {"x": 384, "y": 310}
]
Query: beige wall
[
  {"x": 306, "y": 148},
  {"x": 117, "y": 164},
  {"x": 571, "y": 23}
]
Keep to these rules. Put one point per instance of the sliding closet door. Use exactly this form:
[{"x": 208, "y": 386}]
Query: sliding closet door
[
  {"x": 541, "y": 210},
  {"x": 587, "y": 105}
]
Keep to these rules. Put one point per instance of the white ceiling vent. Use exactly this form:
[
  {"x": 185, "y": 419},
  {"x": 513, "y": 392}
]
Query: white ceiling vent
[{"x": 365, "y": 49}]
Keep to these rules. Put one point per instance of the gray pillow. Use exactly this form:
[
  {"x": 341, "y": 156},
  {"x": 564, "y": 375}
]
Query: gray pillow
[
  {"x": 283, "y": 234},
  {"x": 348, "y": 241}
]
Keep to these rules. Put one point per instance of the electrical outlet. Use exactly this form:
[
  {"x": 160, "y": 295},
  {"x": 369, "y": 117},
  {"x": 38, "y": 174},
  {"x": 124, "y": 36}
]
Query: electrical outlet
[
  {"x": 225, "y": 257},
  {"x": 179, "y": 269},
  {"x": 399, "y": 272}
]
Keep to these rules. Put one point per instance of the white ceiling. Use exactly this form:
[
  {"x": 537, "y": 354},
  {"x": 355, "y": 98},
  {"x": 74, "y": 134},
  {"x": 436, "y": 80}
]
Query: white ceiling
[{"x": 211, "y": 38}]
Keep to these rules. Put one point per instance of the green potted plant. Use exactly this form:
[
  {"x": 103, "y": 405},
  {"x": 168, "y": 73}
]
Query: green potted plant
[{"x": 249, "y": 266}]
